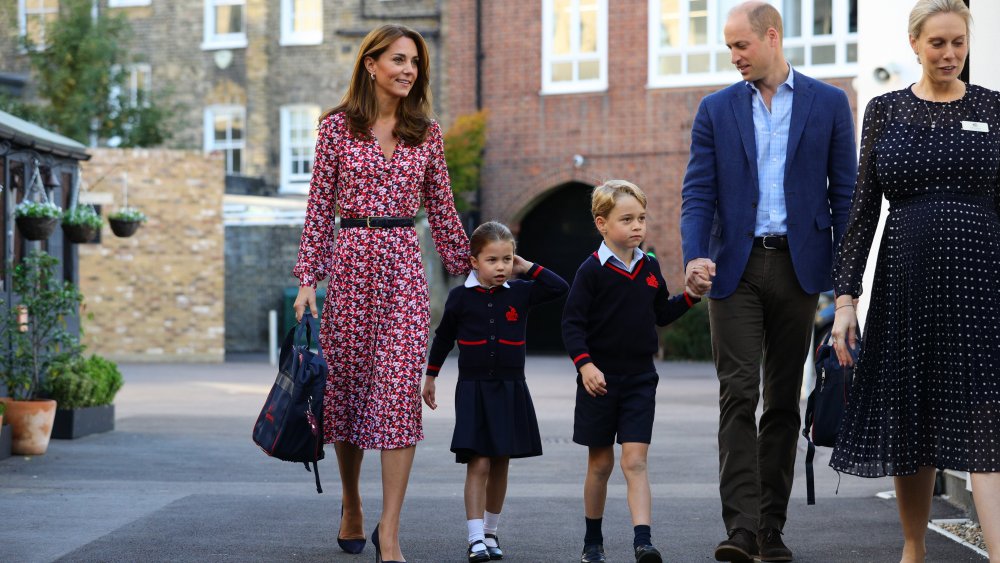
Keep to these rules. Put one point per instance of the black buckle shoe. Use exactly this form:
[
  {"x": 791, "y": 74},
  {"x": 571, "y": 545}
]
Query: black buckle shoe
[
  {"x": 593, "y": 554},
  {"x": 741, "y": 546},
  {"x": 771, "y": 546},
  {"x": 478, "y": 555},
  {"x": 647, "y": 554},
  {"x": 495, "y": 552}
]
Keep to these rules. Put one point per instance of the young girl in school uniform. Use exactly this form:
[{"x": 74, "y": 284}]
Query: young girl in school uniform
[{"x": 494, "y": 416}]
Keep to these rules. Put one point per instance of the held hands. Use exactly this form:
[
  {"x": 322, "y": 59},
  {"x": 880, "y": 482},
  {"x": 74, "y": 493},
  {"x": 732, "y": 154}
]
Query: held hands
[
  {"x": 844, "y": 332},
  {"x": 521, "y": 266},
  {"x": 306, "y": 297},
  {"x": 593, "y": 380},
  {"x": 698, "y": 277},
  {"x": 429, "y": 392}
]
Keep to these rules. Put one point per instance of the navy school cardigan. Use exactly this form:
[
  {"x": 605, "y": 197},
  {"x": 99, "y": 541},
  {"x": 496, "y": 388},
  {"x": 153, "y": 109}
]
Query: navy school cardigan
[
  {"x": 610, "y": 315},
  {"x": 489, "y": 325}
]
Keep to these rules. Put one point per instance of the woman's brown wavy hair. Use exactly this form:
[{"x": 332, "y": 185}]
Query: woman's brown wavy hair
[{"x": 360, "y": 105}]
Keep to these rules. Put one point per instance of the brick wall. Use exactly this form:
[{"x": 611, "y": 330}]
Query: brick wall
[
  {"x": 628, "y": 131},
  {"x": 157, "y": 296}
]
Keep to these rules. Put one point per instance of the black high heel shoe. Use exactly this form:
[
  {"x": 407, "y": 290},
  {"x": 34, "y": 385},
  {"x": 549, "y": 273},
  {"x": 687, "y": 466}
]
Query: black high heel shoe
[
  {"x": 352, "y": 546},
  {"x": 378, "y": 548}
]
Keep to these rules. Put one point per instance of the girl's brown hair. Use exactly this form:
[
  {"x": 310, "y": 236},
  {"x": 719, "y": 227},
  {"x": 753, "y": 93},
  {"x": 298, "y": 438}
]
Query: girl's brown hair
[
  {"x": 360, "y": 105},
  {"x": 491, "y": 231}
]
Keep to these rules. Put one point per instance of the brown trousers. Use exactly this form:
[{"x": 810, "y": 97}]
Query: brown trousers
[{"x": 768, "y": 319}]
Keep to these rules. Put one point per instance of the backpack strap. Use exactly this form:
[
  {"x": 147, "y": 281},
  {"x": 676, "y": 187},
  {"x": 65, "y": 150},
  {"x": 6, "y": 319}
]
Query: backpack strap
[
  {"x": 315, "y": 472},
  {"x": 810, "y": 449}
]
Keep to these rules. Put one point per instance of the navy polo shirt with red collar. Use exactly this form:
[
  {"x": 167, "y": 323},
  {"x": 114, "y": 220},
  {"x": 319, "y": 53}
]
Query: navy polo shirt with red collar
[
  {"x": 489, "y": 324},
  {"x": 611, "y": 314}
]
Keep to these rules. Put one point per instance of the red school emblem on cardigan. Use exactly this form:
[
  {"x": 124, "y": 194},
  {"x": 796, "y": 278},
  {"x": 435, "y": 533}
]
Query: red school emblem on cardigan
[
  {"x": 651, "y": 281},
  {"x": 511, "y": 314}
]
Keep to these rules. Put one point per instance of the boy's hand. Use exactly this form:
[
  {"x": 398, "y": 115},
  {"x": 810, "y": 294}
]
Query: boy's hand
[
  {"x": 698, "y": 276},
  {"x": 521, "y": 266},
  {"x": 593, "y": 380},
  {"x": 430, "y": 386}
]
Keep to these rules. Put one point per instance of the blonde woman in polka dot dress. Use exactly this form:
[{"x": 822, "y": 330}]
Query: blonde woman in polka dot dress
[
  {"x": 927, "y": 385},
  {"x": 379, "y": 159}
]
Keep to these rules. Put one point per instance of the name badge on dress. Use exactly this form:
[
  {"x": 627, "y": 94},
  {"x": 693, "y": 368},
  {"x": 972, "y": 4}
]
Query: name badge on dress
[{"x": 976, "y": 126}]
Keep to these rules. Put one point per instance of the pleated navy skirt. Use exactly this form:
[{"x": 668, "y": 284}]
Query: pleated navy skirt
[{"x": 494, "y": 418}]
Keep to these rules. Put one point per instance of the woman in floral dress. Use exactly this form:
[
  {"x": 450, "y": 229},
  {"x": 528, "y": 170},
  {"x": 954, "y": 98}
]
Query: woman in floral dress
[{"x": 379, "y": 156}]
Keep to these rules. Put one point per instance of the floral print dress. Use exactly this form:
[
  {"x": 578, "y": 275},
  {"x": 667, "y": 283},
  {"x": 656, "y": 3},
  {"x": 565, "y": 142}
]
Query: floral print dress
[{"x": 376, "y": 316}]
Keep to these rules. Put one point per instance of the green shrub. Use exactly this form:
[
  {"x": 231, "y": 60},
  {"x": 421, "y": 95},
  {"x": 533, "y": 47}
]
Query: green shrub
[
  {"x": 689, "y": 337},
  {"x": 3, "y": 408},
  {"x": 463, "y": 150},
  {"x": 77, "y": 383}
]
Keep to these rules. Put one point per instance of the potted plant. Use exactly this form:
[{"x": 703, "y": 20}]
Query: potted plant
[
  {"x": 33, "y": 344},
  {"x": 37, "y": 220},
  {"x": 126, "y": 221},
  {"x": 85, "y": 392},
  {"x": 81, "y": 224}
]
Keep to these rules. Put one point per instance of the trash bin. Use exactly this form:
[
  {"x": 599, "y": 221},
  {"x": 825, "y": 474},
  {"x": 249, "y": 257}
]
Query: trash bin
[{"x": 287, "y": 320}]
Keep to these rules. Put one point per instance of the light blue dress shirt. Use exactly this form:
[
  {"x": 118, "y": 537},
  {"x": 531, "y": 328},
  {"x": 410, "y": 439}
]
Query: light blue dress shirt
[
  {"x": 604, "y": 254},
  {"x": 771, "y": 134}
]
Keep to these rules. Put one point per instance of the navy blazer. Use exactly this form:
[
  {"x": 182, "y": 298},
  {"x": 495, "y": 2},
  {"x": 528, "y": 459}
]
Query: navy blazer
[{"x": 721, "y": 191}]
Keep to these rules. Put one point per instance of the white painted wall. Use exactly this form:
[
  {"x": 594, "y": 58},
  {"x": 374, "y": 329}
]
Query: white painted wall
[{"x": 983, "y": 69}]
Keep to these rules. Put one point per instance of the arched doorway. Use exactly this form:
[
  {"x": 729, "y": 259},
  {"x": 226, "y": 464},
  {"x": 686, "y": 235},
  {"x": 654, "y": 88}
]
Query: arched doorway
[{"x": 558, "y": 233}]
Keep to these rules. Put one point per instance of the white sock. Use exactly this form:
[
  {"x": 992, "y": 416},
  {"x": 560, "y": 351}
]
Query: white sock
[
  {"x": 476, "y": 532},
  {"x": 490, "y": 523}
]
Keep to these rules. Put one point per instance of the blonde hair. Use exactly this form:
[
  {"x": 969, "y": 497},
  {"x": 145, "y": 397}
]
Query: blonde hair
[
  {"x": 490, "y": 231},
  {"x": 605, "y": 196},
  {"x": 927, "y": 8},
  {"x": 413, "y": 116}
]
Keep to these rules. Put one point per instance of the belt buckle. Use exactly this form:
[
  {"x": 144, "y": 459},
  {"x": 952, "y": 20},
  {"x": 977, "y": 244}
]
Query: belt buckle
[
  {"x": 764, "y": 240},
  {"x": 368, "y": 222}
]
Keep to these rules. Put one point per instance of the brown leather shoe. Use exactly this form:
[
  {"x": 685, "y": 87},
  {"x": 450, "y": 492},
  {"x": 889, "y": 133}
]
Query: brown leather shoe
[
  {"x": 771, "y": 546},
  {"x": 741, "y": 546}
]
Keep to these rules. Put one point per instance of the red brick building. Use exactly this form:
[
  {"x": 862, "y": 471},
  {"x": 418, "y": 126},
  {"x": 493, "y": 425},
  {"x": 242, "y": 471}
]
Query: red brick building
[{"x": 608, "y": 90}]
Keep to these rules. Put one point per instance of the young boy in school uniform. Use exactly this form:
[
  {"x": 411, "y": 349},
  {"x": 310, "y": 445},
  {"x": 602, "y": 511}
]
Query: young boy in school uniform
[{"x": 616, "y": 300}]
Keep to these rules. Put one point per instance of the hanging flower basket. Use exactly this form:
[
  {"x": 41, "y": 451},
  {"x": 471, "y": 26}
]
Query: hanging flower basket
[
  {"x": 81, "y": 224},
  {"x": 36, "y": 228},
  {"x": 79, "y": 234},
  {"x": 123, "y": 228}
]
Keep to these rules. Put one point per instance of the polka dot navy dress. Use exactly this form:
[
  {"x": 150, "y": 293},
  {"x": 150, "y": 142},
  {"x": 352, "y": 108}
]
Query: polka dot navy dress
[{"x": 927, "y": 385}]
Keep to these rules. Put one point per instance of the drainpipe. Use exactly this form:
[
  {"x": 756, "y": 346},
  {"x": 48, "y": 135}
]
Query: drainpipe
[{"x": 479, "y": 55}]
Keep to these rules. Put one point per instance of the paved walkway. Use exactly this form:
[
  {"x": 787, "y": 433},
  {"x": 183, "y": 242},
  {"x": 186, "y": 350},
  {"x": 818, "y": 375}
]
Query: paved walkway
[{"x": 180, "y": 480}]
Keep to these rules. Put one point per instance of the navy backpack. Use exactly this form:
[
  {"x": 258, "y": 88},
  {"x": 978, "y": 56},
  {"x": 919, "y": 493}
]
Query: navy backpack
[{"x": 290, "y": 426}]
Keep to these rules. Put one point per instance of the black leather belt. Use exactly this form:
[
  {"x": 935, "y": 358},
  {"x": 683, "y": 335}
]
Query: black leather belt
[
  {"x": 772, "y": 242},
  {"x": 376, "y": 222}
]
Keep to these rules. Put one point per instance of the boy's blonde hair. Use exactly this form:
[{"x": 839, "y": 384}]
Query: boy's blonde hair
[{"x": 605, "y": 196}]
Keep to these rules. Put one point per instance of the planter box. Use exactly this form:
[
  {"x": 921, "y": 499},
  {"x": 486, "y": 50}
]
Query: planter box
[
  {"x": 76, "y": 423},
  {"x": 5, "y": 438}
]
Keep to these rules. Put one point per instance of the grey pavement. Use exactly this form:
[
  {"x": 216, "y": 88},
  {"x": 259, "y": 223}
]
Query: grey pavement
[{"x": 180, "y": 480}]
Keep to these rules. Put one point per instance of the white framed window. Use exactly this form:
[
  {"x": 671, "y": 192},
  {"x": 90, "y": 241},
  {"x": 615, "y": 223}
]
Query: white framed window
[
  {"x": 574, "y": 46},
  {"x": 301, "y": 22},
  {"x": 127, "y": 3},
  {"x": 225, "y": 131},
  {"x": 298, "y": 145},
  {"x": 138, "y": 84},
  {"x": 225, "y": 24},
  {"x": 687, "y": 46},
  {"x": 33, "y": 16}
]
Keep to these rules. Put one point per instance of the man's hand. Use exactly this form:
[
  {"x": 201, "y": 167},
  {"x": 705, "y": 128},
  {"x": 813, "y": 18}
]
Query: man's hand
[
  {"x": 593, "y": 380},
  {"x": 698, "y": 277}
]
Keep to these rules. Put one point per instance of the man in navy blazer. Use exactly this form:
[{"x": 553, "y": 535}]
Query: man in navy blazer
[{"x": 765, "y": 198}]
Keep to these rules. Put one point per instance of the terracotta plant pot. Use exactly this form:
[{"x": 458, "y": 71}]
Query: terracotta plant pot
[
  {"x": 79, "y": 233},
  {"x": 37, "y": 228},
  {"x": 31, "y": 423},
  {"x": 124, "y": 228}
]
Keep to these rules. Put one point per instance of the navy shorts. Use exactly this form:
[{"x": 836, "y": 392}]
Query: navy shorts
[{"x": 626, "y": 411}]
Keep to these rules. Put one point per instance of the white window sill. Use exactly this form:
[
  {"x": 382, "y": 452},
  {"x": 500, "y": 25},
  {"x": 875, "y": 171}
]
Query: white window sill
[
  {"x": 301, "y": 39},
  {"x": 573, "y": 88},
  {"x": 296, "y": 188},
  {"x": 238, "y": 43}
]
